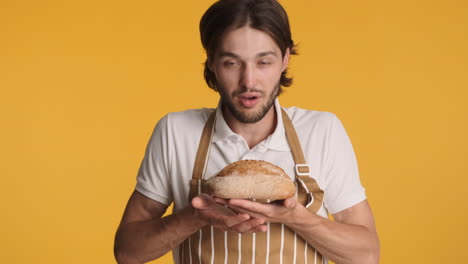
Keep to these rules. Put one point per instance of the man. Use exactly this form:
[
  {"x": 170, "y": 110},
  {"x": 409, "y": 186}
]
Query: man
[{"x": 248, "y": 45}]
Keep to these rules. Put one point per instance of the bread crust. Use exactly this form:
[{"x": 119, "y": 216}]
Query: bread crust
[{"x": 251, "y": 179}]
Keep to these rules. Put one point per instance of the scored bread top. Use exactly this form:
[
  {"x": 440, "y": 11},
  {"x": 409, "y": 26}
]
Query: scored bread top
[{"x": 252, "y": 167}]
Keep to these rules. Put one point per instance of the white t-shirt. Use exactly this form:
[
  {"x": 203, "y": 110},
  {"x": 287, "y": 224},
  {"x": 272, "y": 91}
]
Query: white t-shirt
[{"x": 166, "y": 169}]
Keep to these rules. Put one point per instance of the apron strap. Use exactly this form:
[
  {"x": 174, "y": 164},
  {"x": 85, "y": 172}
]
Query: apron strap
[
  {"x": 203, "y": 148},
  {"x": 313, "y": 191},
  {"x": 302, "y": 170},
  {"x": 301, "y": 167}
]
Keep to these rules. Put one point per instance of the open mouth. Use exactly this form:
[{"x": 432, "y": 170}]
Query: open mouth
[{"x": 249, "y": 100}]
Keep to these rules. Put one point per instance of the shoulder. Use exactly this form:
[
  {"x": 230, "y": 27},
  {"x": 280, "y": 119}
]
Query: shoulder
[
  {"x": 311, "y": 120},
  {"x": 180, "y": 124},
  {"x": 187, "y": 119}
]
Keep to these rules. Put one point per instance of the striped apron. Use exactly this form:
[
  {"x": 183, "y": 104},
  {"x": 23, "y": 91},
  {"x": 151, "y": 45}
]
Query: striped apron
[{"x": 279, "y": 244}]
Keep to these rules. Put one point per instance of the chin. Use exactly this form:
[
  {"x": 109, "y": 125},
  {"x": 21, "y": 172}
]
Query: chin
[{"x": 250, "y": 116}]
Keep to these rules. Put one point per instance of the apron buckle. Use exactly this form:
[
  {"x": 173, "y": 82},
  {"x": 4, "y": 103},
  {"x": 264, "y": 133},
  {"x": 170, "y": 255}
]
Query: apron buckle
[{"x": 298, "y": 173}]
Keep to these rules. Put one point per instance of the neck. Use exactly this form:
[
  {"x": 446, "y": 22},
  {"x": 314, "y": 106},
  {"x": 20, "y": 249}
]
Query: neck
[{"x": 253, "y": 133}]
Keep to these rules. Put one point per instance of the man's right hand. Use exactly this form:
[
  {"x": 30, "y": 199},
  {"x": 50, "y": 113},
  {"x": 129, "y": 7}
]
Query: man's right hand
[
  {"x": 143, "y": 235},
  {"x": 207, "y": 210}
]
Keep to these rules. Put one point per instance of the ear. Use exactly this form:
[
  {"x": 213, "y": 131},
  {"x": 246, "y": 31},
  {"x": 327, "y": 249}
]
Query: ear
[{"x": 286, "y": 60}]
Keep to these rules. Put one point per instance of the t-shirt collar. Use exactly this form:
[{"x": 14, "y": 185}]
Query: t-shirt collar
[{"x": 276, "y": 141}]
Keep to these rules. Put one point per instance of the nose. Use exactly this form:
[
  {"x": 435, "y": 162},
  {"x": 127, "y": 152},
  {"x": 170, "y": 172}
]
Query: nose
[{"x": 248, "y": 76}]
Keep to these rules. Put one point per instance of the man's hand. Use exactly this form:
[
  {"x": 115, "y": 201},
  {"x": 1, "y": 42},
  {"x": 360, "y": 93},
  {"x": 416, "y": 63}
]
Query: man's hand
[
  {"x": 350, "y": 239},
  {"x": 276, "y": 212},
  {"x": 216, "y": 214}
]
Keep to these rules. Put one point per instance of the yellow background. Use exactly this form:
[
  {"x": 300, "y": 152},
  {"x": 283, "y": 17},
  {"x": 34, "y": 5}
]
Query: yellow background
[{"x": 82, "y": 84}]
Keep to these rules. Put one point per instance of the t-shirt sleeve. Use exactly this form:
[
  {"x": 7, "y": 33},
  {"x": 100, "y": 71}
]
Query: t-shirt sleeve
[
  {"x": 343, "y": 186},
  {"x": 153, "y": 179}
]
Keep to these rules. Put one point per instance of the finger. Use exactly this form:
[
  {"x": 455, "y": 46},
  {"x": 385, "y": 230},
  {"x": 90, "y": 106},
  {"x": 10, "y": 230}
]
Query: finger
[
  {"x": 259, "y": 228},
  {"x": 241, "y": 210},
  {"x": 250, "y": 206},
  {"x": 201, "y": 201},
  {"x": 248, "y": 225},
  {"x": 198, "y": 203},
  {"x": 231, "y": 221},
  {"x": 221, "y": 200},
  {"x": 289, "y": 203},
  {"x": 251, "y": 226}
]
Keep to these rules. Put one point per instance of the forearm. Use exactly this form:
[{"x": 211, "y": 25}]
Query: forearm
[
  {"x": 341, "y": 243},
  {"x": 139, "y": 242}
]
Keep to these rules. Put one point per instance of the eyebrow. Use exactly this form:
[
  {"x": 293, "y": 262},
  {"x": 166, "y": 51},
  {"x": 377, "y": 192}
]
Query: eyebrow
[{"x": 233, "y": 55}]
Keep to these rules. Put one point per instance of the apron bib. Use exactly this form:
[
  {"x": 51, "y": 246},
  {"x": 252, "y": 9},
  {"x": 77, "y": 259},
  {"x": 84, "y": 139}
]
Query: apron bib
[{"x": 279, "y": 244}]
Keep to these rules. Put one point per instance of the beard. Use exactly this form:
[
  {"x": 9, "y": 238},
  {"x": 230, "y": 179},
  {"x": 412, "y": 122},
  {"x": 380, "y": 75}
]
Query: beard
[{"x": 246, "y": 117}]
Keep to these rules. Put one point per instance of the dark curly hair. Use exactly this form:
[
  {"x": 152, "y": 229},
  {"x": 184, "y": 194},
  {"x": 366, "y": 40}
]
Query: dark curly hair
[{"x": 265, "y": 15}]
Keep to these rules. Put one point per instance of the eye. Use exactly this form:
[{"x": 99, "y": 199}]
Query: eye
[
  {"x": 264, "y": 63},
  {"x": 230, "y": 63}
]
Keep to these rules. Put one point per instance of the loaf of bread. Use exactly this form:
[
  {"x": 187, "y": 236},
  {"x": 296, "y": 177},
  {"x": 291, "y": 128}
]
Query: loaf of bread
[{"x": 251, "y": 179}]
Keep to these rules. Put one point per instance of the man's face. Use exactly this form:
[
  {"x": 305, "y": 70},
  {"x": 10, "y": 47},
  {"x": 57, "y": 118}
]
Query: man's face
[{"x": 248, "y": 67}]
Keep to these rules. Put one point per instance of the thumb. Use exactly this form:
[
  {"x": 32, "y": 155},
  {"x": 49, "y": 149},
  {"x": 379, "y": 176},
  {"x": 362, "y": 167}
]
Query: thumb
[
  {"x": 289, "y": 203},
  {"x": 201, "y": 201}
]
